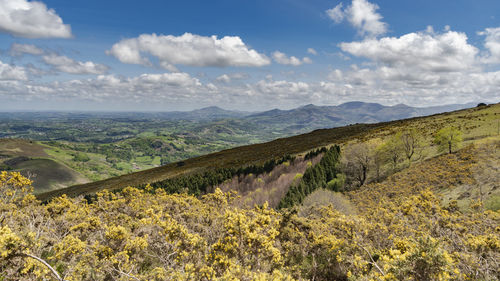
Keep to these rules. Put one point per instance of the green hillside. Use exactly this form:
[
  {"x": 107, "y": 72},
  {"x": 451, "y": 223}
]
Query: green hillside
[
  {"x": 291, "y": 209},
  {"x": 475, "y": 123},
  {"x": 33, "y": 161}
]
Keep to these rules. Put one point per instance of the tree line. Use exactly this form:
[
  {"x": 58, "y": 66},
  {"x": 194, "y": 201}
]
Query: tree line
[
  {"x": 201, "y": 183},
  {"x": 325, "y": 174}
]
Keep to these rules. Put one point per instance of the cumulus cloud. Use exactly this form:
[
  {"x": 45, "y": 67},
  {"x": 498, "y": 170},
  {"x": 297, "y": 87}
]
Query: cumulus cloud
[
  {"x": 336, "y": 13},
  {"x": 146, "y": 91},
  {"x": 170, "y": 79},
  {"x": 227, "y": 78},
  {"x": 492, "y": 44},
  {"x": 9, "y": 72},
  {"x": 187, "y": 49},
  {"x": 445, "y": 52},
  {"x": 282, "y": 58},
  {"x": 59, "y": 62},
  {"x": 312, "y": 51},
  {"x": 31, "y": 20},
  {"x": 224, "y": 78},
  {"x": 171, "y": 91},
  {"x": 282, "y": 88},
  {"x": 21, "y": 49},
  {"x": 68, "y": 65},
  {"x": 362, "y": 15},
  {"x": 420, "y": 68}
]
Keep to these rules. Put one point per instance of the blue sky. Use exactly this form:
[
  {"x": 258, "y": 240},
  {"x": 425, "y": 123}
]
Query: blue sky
[{"x": 246, "y": 55}]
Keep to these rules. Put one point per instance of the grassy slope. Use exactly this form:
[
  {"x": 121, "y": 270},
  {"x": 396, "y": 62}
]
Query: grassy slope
[
  {"x": 19, "y": 147},
  {"x": 485, "y": 178},
  {"x": 235, "y": 157},
  {"x": 468, "y": 176},
  {"x": 48, "y": 174},
  {"x": 476, "y": 123},
  {"x": 31, "y": 159}
]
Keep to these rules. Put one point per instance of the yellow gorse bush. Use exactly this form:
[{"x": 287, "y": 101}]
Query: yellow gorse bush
[{"x": 400, "y": 231}]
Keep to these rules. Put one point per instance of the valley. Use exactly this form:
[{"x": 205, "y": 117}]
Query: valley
[{"x": 88, "y": 147}]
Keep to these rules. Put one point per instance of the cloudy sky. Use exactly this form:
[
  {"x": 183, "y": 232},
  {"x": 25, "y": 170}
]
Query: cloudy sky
[{"x": 246, "y": 55}]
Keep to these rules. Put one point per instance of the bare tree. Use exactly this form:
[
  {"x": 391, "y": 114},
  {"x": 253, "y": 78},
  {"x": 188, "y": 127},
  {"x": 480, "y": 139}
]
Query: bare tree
[
  {"x": 410, "y": 144},
  {"x": 356, "y": 162}
]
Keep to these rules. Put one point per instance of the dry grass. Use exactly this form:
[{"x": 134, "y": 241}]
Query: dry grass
[
  {"x": 19, "y": 147},
  {"x": 324, "y": 197},
  {"x": 486, "y": 175}
]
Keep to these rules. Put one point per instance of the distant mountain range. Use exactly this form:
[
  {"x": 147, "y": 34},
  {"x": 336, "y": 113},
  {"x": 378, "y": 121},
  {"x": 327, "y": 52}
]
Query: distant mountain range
[
  {"x": 310, "y": 117},
  {"x": 272, "y": 123},
  {"x": 314, "y": 117},
  {"x": 206, "y": 113}
]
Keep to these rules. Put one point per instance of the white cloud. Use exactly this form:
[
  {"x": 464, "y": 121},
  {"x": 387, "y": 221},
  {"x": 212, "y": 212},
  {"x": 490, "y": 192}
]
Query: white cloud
[
  {"x": 336, "y": 14},
  {"x": 239, "y": 76},
  {"x": 447, "y": 52},
  {"x": 112, "y": 92},
  {"x": 31, "y": 20},
  {"x": 9, "y": 72},
  {"x": 21, "y": 49},
  {"x": 68, "y": 65},
  {"x": 422, "y": 68},
  {"x": 187, "y": 49},
  {"x": 160, "y": 80},
  {"x": 282, "y": 88},
  {"x": 492, "y": 43},
  {"x": 312, "y": 51},
  {"x": 224, "y": 78},
  {"x": 282, "y": 58},
  {"x": 362, "y": 15},
  {"x": 173, "y": 91},
  {"x": 307, "y": 60},
  {"x": 59, "y": 62},
  {"x": 227, "y": 78}
]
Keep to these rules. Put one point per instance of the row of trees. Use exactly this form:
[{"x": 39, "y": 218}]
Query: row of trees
[
  {"x": 376, "y": 160},
  {"x": 202, "y": 183},
  {"x": 324, "y": 174}
]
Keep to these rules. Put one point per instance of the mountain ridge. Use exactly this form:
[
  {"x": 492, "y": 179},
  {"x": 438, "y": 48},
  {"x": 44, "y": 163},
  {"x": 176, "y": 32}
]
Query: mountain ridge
[{"x": 310, "y": 117}]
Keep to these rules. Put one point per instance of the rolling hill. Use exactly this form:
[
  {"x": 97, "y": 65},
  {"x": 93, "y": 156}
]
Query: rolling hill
[
  {"x": 32, "y": 161},
  {"x": 476, "y": 123}
]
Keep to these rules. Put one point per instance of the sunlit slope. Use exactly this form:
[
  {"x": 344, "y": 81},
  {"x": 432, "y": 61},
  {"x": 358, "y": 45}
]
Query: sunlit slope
[
  {"x": 475, "y": 123},
  {"x": 460, "y": 179}
]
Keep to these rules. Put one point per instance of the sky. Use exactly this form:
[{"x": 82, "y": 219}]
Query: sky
[{"x": 130, "y": 55}]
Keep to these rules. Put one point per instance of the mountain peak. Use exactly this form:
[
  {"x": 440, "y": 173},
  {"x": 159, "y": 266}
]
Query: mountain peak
[
  {"x": 352, "y": 104},
  {"x": 210, "y": 108},
  {"x": 309, "y": 106}
]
